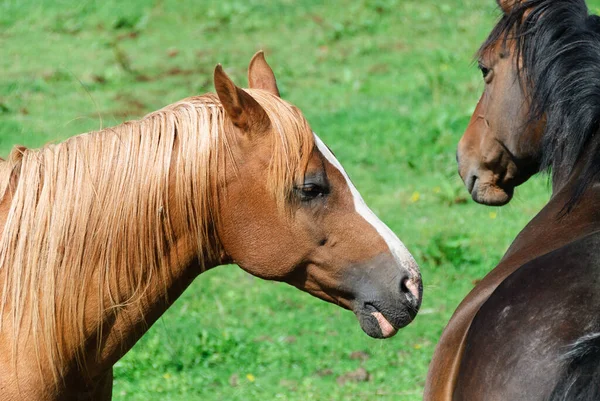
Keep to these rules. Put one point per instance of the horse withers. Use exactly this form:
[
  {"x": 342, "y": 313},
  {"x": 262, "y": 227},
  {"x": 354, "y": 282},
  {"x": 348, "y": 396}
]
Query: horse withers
[
  {"x": 530, "y": 330},
  {"x": 102, "y": 233}
]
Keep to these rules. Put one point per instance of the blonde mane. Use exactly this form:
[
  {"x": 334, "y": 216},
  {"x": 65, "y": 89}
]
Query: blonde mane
[{"x": 94, "y": 213}]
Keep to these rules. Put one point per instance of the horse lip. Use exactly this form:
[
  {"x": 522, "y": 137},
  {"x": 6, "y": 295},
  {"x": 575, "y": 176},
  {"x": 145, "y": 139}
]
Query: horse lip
[
  {"x": 386, "y": 328},
  {"x": 485, "y": 199},
  {"x": 370, "y": 308},
  {"x": 380, "y": 320}
]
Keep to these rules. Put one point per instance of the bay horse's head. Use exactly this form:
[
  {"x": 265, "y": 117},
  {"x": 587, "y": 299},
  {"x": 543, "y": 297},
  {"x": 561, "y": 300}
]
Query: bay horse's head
[
  {"x": 540, "y": 106},
  {"x": 312, "y": 229},
  {"x": 500, "y": 148}
]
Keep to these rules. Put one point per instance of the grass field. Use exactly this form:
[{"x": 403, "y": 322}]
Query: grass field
[{"x": 388, "y": 84}]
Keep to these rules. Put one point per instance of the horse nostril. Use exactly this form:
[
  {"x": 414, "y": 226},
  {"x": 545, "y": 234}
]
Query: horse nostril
[
  {"x": 403, "y": 285},
  {"x": 410, "y": 286},
  {"x": 471, "y": 181}
]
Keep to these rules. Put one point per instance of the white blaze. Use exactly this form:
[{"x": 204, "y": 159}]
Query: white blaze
[{"x": 397, "y": 248}]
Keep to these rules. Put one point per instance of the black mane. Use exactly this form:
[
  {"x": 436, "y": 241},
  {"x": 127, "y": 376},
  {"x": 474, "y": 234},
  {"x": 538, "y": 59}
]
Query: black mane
[
  {"x": 559, "y": 44},
  {"x": 581, "y": 378}
]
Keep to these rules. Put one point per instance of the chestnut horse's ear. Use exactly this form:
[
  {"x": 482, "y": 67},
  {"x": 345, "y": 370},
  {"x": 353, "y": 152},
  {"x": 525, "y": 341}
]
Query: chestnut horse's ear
[
  {"x": 242, "y": 109},
  {"x": 260, "y": 75},
  {"x": 507, "y": 5}
]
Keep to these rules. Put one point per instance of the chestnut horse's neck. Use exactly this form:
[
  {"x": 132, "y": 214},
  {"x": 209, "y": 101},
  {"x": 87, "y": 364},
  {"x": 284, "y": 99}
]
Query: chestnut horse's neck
[
  {"x": 101, "y": 234},
  {"x": 123, "y": 328},
  {"x": 108, "y": 338}
]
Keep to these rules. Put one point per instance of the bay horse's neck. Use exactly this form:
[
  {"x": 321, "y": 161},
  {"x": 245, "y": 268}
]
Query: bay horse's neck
[
  {"x": 570, "y": 182},
  {"x": 561, "y": 221}
]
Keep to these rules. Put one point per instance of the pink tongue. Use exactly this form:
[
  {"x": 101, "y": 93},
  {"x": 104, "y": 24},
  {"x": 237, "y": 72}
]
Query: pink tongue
[{"x": 386, "y": 328}]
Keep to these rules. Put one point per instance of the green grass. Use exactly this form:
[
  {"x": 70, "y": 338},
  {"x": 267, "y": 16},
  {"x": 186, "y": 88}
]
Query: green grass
[{"x": 388, "y": 84}]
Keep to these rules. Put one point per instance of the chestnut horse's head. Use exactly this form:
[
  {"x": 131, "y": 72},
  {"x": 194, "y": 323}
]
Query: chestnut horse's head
[
  {"x": 312, "y": 229},
  {"x": 500, "y": 148}
]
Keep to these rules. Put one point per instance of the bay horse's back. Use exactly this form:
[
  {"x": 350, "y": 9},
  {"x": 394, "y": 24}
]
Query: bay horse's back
[{"x": 552, "y": 303}]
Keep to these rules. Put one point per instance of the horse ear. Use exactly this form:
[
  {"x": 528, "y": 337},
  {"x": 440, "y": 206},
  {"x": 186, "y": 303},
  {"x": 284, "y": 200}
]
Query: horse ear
[
  {"x": 507, "y": 5},
  {"x": 260, "y": 75},
  {"x": 242, "y": 109}
]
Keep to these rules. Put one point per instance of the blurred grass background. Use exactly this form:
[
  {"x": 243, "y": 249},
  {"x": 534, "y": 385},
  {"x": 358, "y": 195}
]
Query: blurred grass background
[{"x": 388, "y": 84}]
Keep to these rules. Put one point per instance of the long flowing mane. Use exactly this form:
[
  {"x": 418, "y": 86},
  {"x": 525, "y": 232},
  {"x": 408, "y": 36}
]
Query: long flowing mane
[
  {"x": 94, "y": 213},
  {"x": 557, "y": 44}
]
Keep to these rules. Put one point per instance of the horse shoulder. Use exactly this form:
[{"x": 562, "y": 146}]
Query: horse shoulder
[{"x": 517, "y": 345}]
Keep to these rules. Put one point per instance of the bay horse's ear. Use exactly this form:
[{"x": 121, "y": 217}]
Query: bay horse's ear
[
  {"x": 507, "y": 5},
  {"x": 242, "y": 109},
  {"x": 260, "y": 75}
]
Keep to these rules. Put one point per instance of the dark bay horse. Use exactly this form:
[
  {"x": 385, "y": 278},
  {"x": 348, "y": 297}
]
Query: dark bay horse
[
  {"x": 530, "y": 330},
  {"x": 102, "y": 233}
]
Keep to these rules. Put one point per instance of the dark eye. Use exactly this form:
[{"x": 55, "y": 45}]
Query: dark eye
[
  {"x": 308, "y": 192},
  {"x": 484, "y": 70}
]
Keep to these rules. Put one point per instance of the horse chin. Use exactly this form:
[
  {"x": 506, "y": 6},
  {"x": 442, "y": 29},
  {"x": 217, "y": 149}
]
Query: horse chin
[
  {"x": 375, "y": 324},
  {"x": 491, "y": 194}
]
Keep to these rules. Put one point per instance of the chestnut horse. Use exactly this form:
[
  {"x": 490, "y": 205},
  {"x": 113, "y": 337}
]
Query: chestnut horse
[
  {"x": 530, "y": 330},
  {"x": 102, "y": 233}
]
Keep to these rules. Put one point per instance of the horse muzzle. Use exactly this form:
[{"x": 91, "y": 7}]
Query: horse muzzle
[
  {"x": 387, "y": 296},
  {"x": 486, "y": 192}
]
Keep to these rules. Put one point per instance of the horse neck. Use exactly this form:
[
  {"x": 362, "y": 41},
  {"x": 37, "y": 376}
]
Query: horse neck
[
  {"x": 120, "y": 276},
  {"x": 557, "y": 224},
  {"x": 123, "y": 328},
  {"x": 186, "y": 255},
  {"x": 193, "y": 248},
  {"x": 567, "y": 182}
]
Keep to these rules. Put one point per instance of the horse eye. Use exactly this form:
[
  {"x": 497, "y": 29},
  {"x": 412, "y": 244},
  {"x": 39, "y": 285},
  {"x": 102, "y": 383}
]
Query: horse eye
[
  {"x": 484, "y": 70},
  {"x": 308, "y": 192}
]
